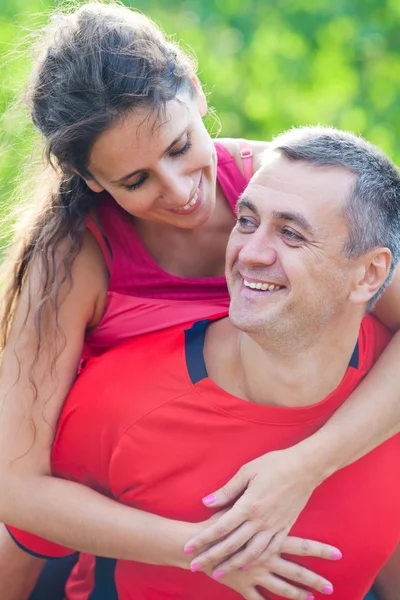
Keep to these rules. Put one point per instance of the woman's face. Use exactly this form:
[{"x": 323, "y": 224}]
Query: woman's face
[{"x": 159, "y": 170}]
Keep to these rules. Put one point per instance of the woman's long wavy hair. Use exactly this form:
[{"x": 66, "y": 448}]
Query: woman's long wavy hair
[{"x": 95, "y": 65}]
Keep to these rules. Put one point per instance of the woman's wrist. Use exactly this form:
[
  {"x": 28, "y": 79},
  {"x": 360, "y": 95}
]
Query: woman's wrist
[
  {"x": 181, "y": 533},
  {"x": 318, "y": 458}
]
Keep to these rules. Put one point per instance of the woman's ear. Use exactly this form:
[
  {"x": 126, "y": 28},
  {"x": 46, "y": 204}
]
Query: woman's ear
[
  {"x": 91, "y": 183},
  {"x": 94, "y": 186}
]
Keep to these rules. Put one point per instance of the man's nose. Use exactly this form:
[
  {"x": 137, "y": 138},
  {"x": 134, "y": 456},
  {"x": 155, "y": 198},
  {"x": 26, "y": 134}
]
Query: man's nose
[{"x": 258, "y": 250}]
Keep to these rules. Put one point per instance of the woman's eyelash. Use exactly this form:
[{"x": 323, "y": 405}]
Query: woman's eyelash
[
  {"x": 183, "y": 150},
  {"x": 134, "y": 186}
]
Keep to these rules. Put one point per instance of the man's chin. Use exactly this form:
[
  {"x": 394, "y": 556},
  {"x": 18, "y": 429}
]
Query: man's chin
[{"x": 251, "y": 323}]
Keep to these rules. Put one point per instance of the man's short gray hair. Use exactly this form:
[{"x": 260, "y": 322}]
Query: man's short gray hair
[{"x": 372, "y": 208}]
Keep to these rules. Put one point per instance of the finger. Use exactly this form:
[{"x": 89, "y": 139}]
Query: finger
[
  {"x": 217, "y": 531},
  {"x": 216, "y": 554},
  {"x": 298, "y": 574},
  {"x": 228, "y": 492},
  {"x": 283, "y": 588},
  {"x": 246, "y": 557},
  {"x": 304, "y": 547},
  {"x": 252, "y": 594},
  {"x": 275, "y": 543}
]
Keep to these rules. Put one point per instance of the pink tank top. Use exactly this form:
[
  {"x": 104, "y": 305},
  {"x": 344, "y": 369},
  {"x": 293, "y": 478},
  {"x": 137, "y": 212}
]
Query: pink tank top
[{"x": 142, "y": 297}]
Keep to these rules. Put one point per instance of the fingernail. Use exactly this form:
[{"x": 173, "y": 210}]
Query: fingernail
[
  {"x": 209, "y": 499},
  {"x": 195, "y": 567},
  {"x": 327, "y": 589},
  {"x": 246, "y": 567},
  {"x": 310, "y": 597},
  {"x": 218, "y": 574},
  {"x": 189, "y": 549},
  {"x": 337, "y": 555}
]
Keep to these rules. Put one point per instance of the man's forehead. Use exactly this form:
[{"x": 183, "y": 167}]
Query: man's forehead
[{"x": 297, "y": 183}]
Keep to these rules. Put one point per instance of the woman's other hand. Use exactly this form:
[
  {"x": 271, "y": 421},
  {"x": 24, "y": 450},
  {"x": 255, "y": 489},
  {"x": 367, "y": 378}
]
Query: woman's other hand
[
  {"x": 272, "y": 491},
  {"x": 281, "y": 576}
]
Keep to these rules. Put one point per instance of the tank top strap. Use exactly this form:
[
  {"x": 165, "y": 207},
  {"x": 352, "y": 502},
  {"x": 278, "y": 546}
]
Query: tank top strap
[
  {"x": 92, "y": 226},
  {"x": 246, "y": 154},
  {"x": 229, "y": 175}
]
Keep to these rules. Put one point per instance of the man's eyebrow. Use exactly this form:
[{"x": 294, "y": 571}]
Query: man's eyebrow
[
  {"x": 245, "y": 202},
  {"x": 171, "y": 145},
  {"x": 294, "y": 217}
]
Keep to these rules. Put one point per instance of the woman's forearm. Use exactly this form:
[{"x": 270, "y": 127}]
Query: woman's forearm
[
  {"x": 18, "y": 571},
  {"x": 75, "y": 516},
  {"x": 387, "y": 584},
  {"x": 369, "y": 417}
]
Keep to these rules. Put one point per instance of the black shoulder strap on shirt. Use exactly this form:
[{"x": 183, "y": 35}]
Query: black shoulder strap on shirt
[{"x": 194, "y": 345}]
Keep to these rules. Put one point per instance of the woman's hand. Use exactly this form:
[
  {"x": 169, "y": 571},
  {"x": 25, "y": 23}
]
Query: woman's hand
[
  {"x": 274, "y": 490},
  {"x": 279, "y": 576}
]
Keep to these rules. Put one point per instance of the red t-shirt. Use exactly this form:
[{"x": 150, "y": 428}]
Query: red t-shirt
[{"x": 145, "y": 425}]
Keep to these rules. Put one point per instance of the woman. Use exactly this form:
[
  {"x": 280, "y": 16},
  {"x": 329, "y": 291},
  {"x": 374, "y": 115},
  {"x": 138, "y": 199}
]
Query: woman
[{"x": 132, "y": 239}]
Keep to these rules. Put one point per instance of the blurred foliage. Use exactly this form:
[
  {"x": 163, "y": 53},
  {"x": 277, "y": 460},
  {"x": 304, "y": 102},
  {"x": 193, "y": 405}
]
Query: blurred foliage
[{"x": 267, "y": 65}]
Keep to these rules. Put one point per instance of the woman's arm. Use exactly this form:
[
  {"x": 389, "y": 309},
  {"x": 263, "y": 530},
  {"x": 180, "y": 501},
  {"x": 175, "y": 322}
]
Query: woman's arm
[
  {"x": 387, "y": 584},
  {"x": 18, "y": 571},
  {"x": 65, "y": 512},
  {"x": 275, "y": 488}
]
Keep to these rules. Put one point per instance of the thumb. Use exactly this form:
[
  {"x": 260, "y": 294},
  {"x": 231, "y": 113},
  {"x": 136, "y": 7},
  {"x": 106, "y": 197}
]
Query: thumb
[{"x": 229, "y": 492}]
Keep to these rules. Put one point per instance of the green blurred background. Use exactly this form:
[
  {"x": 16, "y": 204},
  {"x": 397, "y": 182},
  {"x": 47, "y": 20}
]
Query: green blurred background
[{"x": 267, "y": 65}]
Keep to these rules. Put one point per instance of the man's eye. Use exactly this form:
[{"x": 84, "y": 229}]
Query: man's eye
[
  {"x": 245, "y": 223},
  {"x": 289, "y": 234}
]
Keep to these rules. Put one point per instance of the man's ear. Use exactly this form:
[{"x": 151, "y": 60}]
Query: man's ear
[
  {"x": 200, "y": 96},
  {"x": 371, "y": 274},
  {"x": 91, "y": 183}
]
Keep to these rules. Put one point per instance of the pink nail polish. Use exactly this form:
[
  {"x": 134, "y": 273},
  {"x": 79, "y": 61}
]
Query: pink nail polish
[
  {"x": 218, "y": 574},
  {"x": 337, "y": 555},
  {"x": 310, "y": 597},
  {"x": 189, "y": 550},
  {"x": 327, "y": 589},
  {"x": 195, "y": 567},
  {"x": 209, "y": 499}
]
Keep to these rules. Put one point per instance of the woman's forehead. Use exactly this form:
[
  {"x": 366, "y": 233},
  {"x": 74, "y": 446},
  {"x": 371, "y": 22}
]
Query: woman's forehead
[{"x": 142, "y": 136}]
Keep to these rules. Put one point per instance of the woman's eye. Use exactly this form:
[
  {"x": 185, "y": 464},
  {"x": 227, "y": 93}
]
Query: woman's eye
[
  {"x": 136, "y": 184},
  {"x": 187, "y": 145}
]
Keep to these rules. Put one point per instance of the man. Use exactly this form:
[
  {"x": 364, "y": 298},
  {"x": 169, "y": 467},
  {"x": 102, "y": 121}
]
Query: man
[{"x": 316, "y": 242}]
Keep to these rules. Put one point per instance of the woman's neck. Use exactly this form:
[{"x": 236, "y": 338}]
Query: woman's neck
[{"x": 198, "y": 252}]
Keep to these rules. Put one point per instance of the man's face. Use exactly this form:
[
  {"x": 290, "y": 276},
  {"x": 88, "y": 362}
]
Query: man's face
[{"x": 289, "y": 242}]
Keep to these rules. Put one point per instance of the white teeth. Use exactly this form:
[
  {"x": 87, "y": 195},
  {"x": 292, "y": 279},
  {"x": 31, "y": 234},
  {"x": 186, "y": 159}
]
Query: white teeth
[
  {"x": 191, "y": 202},
  {"x": 261, "y": 286}
]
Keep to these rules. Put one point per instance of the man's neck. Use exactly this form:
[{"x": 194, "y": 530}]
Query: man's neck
[{"x": 255, "y": 373}]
